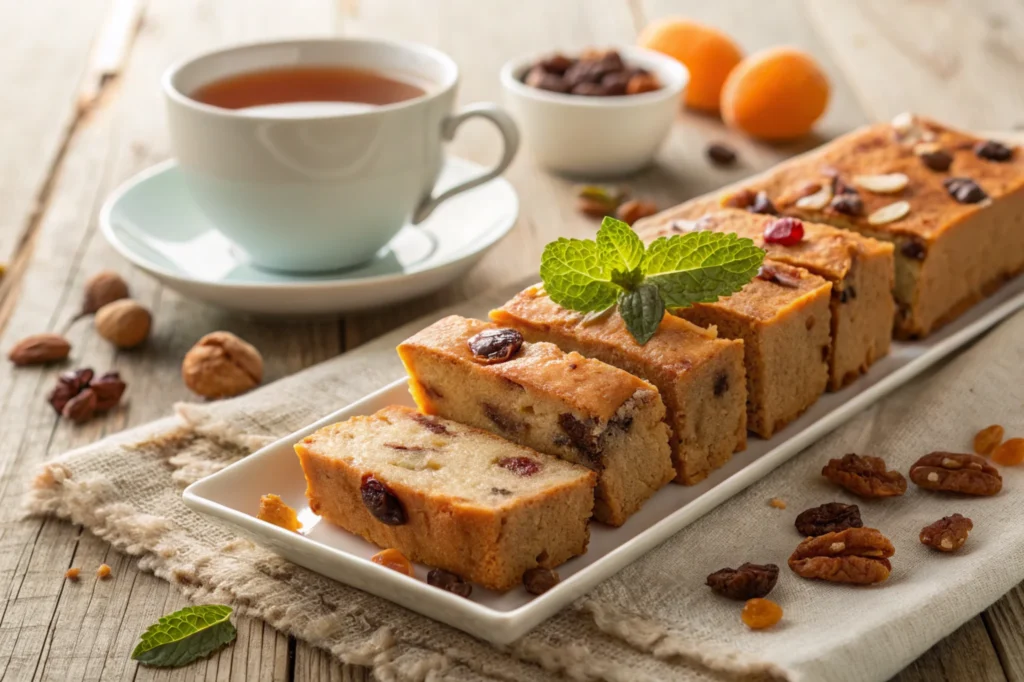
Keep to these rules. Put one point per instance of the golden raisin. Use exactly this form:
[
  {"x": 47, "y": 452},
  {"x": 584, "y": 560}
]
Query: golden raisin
[
  {"x": 988, "y": 439},
  {"x": 777, "y": 502},
  {"x": 72, "y": 574},
  {"x": 393, "y": 559},
  {"x": 1010, "y": 453},
  {"x": 103, "y": 572},
  {"x": 759, "y": 614}
]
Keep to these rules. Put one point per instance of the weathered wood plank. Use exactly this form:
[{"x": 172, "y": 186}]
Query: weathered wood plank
[
  {"x": 957, "y": 60},
  {"x": 965, "y": 656},
  {"x": 1005, "y": 623}
]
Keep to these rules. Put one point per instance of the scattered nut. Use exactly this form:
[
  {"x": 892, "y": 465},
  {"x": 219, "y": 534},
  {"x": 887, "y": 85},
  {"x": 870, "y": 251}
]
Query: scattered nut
[
  {"x": 988, "y": 439},
  {"x": 948, "y": 534},
  {"x": 39, "y": 349},
  {"x": 958, "y": 473},
  {"x": 887, "y": 183},
  {"x": 103, "y": 288},
  {"x": 72, "y": 574},
  {"x": 632, "y": 211},
  {"x": 828, "y": 518},
  {"x": 222, "y": 365},
  {"x": 759, "y": 614},
  {"x": 1010, "y": 453},
  {"x": 855, "y": 555},
  {"x": 890, "y": 213},
  {"x": 124, "y": 323},
  {"x": 539, "y": 580},
  {"x": 865, "y": 476},
  {"x": 746, "y": 582},
  {"x": 103, "y": 572}
]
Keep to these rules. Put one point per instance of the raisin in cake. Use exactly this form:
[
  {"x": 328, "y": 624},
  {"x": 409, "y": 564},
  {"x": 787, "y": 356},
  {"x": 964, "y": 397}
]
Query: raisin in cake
[
  {"x": 860, "y": 269},
  {"x": 448, "y": 495},
  {"x": 783, "y": 318},
  {"x": 563, "y": 404},
  {"x": 700, "y": 377}
]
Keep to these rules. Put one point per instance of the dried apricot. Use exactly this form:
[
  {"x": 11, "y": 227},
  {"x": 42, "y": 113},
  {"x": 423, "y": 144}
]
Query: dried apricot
[
  {"x": 776, "y": 94},
  {"x": 1010, "y": 453},
  {"x": 393, "y": 559},
  {"x": 707, "y": 53},
  {"x": 759, "y": 614},
  {"x": 988, "y": 439}
]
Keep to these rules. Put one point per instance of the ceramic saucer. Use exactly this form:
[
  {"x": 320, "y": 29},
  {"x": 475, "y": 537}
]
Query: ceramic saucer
[{"x": 153, "y": 222}]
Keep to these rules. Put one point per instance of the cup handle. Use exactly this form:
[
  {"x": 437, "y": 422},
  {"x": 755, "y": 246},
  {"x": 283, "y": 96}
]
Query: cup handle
[{"x": 510, "y": 135}]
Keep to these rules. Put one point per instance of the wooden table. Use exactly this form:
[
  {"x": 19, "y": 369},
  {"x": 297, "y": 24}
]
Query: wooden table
[{"x": 80, "y": 111}]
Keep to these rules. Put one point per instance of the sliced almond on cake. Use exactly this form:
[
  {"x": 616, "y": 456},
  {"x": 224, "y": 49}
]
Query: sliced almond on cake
[
  {"x": 890, "y": 213},
  {"x": 886, "y": 183}
]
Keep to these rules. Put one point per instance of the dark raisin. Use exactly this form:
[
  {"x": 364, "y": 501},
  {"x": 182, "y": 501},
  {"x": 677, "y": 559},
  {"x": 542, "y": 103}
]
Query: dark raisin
[
  {"x": 539, "y": 580},
  {"x": 503, "y": 421},
  {"x": 108, "y": 389},
  {"x": 762, "y": 204},
  {"x": 431, "y": 423},
  {"x": 591, "y": 90},
  {"x": 504, "y": 492},
  {"x": 447, "y": 580},
  {"x": 624, "y": 423},
  {"x": 580, "y": 434},
  {"x": 432, "y": 392},
  {"x": 938, "y": 160},
  {"x": 990, "y": 150},
  {"x": 557, "y": 64},
  {"x": 81, "y": 407},
  {"x": 543, "y": 80},
  {"x": 572, "y": 365},
  {"x": 721, "y": 155},
  {"x": 965, "y": 190},
  {"x": 520, "y": 466},
  {"x": 847, "y": 294},
  {"x": 914, "y": 250},
  {"x": 408, "y": 448},
  {"x": 495, "y": 345},
  {"x": 615, "y": 82},
  {"x": 828, "y": 518},
  {"x": 847, "y": 203},
  {"x": 721, "y": 384},
  {"x": 382, "y": 502},
  {"x": 749, "y": 581}
]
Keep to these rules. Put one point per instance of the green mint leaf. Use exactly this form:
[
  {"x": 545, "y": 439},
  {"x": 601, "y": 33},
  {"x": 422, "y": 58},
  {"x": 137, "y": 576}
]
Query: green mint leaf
[
  {"x": 642, "y": 310},
  {"x": 619, "y": 246},
  {"x": 700, "y": 267},
  {"x": 183, "y": 636},
  {"x": 576, "y": 277}
]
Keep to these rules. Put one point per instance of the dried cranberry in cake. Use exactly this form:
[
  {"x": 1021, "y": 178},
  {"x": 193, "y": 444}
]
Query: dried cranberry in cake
[
  {"x": 784, "y": 231},
  {"x": 495, "y": 345},
  {"x": 520, "y": 466},
  {"x": 990, "y": 150},
  {"x": 446, "y": 580},
  {"x": 762, "y": 204},
  {"x": 965, "y": 190},
  {"x": 382, "y": 503},
  {"x": 539, "y": 580}
]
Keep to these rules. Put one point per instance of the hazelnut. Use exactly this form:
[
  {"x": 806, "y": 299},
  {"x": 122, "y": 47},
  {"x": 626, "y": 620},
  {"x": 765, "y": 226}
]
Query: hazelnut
[
  {"x": 124, "y": 323},
  {"x": 222, "y": 365},
  {"x": 103, "y": 288}
]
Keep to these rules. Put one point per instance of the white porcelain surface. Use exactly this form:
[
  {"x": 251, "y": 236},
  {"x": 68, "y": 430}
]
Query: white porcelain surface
[
  {"x": 153, "y": 222},
  {"x": 596, "y": 136},
  {"x": 232, "y": 496},
  {"x": 318, "y": 187}
]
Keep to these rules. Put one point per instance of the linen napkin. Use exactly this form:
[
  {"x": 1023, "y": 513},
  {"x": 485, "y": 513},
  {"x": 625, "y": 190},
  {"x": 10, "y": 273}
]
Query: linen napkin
[{"x": 656, "y": 620}]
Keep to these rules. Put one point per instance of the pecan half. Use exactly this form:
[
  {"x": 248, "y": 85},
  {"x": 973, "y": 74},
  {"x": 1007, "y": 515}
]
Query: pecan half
[
  {"x": 856, "y": 555},
  {"x": 957, "y": 473},
  {"x": 948, "y": 534},
  {"x": 828, "y": 518},
  {"x": 865, "y": 476},
  {"x": 746, "y": 582}
]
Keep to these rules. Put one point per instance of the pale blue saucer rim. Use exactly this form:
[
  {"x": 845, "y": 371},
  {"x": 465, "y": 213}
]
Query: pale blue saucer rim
[{"x": 473, "y": 249}]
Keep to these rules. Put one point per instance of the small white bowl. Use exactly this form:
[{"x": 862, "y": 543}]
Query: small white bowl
[{"x": 596, "y": 136}]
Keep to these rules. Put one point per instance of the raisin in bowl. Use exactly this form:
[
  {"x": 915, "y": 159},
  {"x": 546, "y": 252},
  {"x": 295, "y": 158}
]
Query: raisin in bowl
[{"x": 595, "y": 135}]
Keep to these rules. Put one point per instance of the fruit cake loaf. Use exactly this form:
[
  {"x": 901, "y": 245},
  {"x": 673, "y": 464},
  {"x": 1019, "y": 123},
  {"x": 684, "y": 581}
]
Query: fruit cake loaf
[
  {"x": 448, "y": 495},
  {"x": 700, "y": 377},
  {"x": 783, "y": 317},
  {"x": 562, "y": 404},
  {"x": 951, "y": 203},
  {"x": 860, "y": 269}
]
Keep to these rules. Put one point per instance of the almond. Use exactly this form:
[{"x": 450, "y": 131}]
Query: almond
[
  {"x": 816, "y": 201},
  {"x": 887, "y": 183},
  {"x": 889, "y": 213},
  {"x": 39, "y": 348}
]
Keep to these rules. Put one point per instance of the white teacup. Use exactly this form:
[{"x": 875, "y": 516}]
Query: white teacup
[{"x": 320, "y": 186}]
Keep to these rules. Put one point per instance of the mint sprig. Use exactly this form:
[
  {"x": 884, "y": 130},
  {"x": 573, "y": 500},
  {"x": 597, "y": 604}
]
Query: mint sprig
[
  {"x": 673, "y": 272},
  {"x": 183, "y": 636}
]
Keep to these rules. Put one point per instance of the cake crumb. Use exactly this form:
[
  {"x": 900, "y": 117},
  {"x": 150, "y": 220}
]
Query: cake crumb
[
  {"x": 103, "y": 572},
  {"x": 777, "y": 502},
  {"x": 72, "y": 574},
  {"x": 274, "y": 510}
]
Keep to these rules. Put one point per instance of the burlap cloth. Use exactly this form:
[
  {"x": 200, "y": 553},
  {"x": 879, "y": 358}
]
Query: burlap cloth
[{"x": 655, "y": 620}]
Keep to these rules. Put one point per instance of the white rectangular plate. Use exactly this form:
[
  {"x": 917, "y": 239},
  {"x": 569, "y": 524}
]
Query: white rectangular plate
[{"x": 232, "y": 496}]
